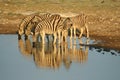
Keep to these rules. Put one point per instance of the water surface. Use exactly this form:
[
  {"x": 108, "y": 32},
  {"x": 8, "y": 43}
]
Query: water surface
[{"x": 23, "y": 62}]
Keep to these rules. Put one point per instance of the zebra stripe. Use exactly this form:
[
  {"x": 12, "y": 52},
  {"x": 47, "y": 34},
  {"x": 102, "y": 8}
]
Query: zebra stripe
[
  {"x": 28, "y": 22},
  {"x": 55, "y": 24},
  {"x": 23, "y": 24},
  {"x": 35, "y": 21}
]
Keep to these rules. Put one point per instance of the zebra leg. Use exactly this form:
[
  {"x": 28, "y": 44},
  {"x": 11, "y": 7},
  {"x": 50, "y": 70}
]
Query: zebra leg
[
  {"x": 87, "y": 31},
  {"x": 71, "y": 33},
  {"x": 65, "y": 37},
  {"x": 43, "y": 37},
  {"x": 81, "y": 33},
  {"x": 62, "y": 35},
  {"x": 47, "y": 36},
  {"x": 74, "y": 33},
  {"x": 59, "y": 37},
  {"x": 55, "y": 37}
]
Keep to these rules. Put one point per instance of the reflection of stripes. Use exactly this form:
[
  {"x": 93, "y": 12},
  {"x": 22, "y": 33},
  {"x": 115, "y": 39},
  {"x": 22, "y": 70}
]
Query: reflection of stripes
[
  {"x": 25, "y": 47},
  {"x": 79, "y": 22},
  {"x": 45, "y": 58},
  {"x": 55, "y": 24}
]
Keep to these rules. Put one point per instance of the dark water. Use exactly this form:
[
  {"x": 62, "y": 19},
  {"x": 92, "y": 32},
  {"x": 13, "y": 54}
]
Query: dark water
[{"x": 20, "y": 61}]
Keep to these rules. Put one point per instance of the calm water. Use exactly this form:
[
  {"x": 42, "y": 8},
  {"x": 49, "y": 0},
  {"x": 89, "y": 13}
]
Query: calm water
[{"x": 20, "y": 61}]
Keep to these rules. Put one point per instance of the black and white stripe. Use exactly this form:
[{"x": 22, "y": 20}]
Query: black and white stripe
[
  {"x": 23, "y": 24},
  {"x": 29, "y": 22},
  {"x": 35, "y": 21},
  {"x": 54, "y": 25}
]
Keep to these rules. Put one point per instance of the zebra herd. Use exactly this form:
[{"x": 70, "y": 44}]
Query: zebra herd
[{"x": 52, "y": 24}]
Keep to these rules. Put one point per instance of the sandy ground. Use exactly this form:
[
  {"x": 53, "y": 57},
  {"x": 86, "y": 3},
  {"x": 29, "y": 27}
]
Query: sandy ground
[{"x": 103, "y": 17}]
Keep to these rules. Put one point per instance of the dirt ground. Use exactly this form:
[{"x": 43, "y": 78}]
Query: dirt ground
[{"x": 103, "y": 16}]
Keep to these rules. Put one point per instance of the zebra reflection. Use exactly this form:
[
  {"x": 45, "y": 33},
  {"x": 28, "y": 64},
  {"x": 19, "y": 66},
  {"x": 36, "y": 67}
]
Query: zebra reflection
[
  {"x": 25, "y": 46},
  {"x": 78, "y": 54},
  {"x": 53, "y": 56},
  {"x": 47, "y": 56}
]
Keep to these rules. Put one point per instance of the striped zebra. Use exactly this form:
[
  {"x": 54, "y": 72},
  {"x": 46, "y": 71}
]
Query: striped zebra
[
  {"x": 79, "y": 23},
  {"x": 29, "y": 22},
  {"x": 23, "y": 24},
  {"x": 35, "y": 21},
  {"x": 54, "y": 25}
]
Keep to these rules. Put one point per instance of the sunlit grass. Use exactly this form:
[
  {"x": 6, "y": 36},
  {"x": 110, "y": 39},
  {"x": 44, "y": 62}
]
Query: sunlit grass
[{"x": 58, "y": 6}]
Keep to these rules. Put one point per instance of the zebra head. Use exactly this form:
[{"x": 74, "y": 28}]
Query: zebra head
[
  {"x": 35, "y": 20},
  {"x": 67, "y": 23},
  {"x": 20, "y": 33}
]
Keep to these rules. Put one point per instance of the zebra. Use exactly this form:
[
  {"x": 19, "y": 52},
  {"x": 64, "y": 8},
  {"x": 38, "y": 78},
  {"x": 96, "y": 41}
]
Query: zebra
[
  {"x": 79, "y": 23},
  {"x": 23, "y": 24},
  {"x": 35, "y": 21},
  {"x": 54, "y": 25},
  {"x": 29, "y": 22}
]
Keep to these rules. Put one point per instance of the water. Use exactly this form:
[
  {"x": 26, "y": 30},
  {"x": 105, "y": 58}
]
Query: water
[{"x": 22, "y": 62}]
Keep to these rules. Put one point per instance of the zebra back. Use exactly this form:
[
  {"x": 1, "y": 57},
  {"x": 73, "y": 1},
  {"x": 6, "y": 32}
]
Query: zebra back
[
  {"x": 79, "y": 20},
  {"x": 53, "y": 24},
  {"x": 60, "y": 23},
  {"x": 26, "y": 21},
  {"x": 49, "y": 25},
  {"x": 55, "y": 20},
  {"x": 39, "y": 18}
]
